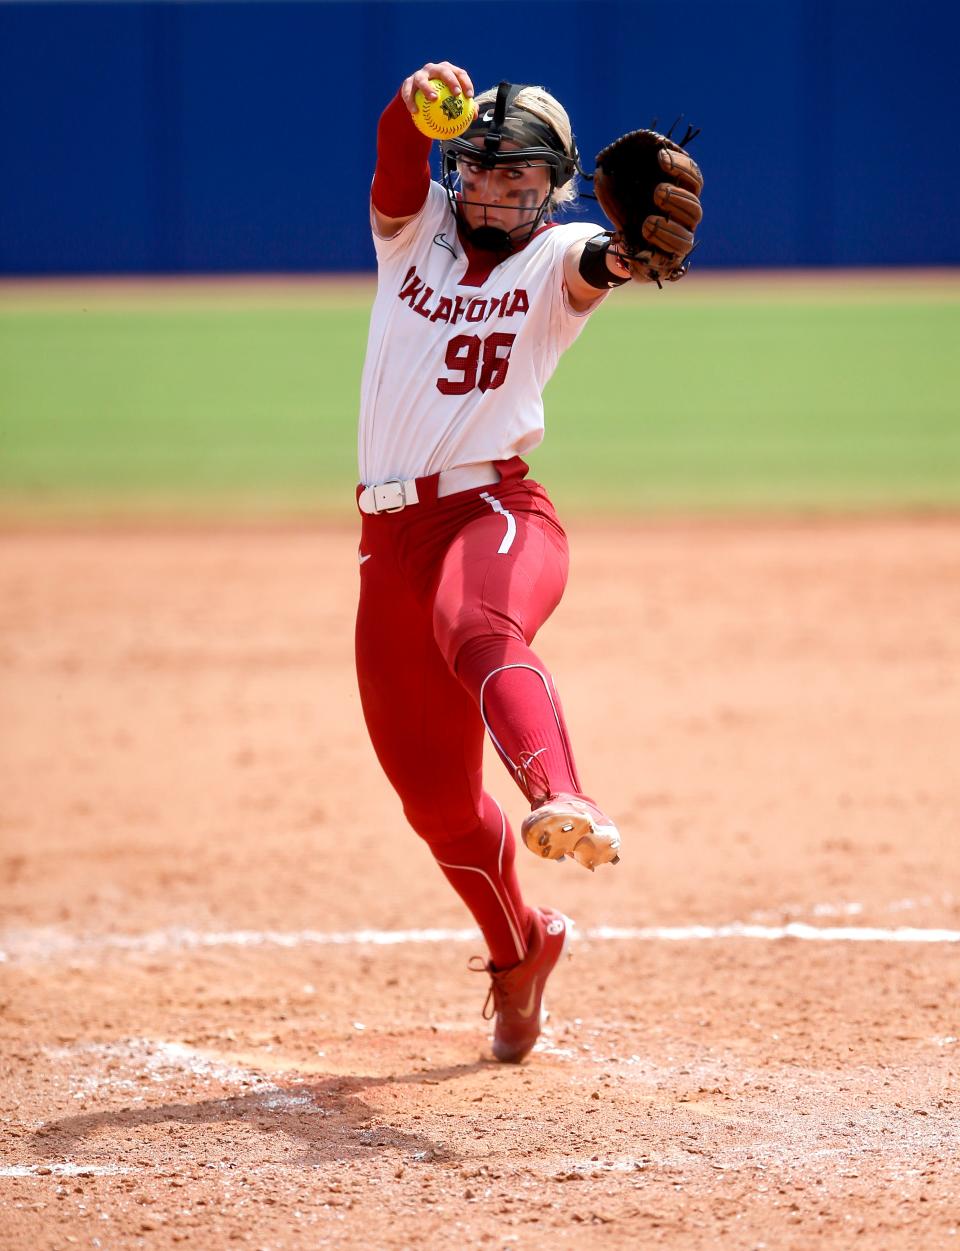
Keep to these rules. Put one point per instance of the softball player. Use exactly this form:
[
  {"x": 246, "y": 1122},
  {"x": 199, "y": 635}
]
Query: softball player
[{"x": 462, "y": 557}]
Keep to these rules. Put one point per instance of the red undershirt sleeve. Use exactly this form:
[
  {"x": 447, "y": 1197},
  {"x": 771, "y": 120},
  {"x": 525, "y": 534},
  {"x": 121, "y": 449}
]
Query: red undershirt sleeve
[{"x": 402, "y": 177}]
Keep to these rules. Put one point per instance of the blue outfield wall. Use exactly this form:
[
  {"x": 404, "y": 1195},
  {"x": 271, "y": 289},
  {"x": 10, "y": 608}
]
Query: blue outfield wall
[{"x": 211, "y": 137}]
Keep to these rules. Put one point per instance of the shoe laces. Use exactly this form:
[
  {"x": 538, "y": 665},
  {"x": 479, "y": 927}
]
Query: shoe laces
[{"x": 491, "y": 1005}]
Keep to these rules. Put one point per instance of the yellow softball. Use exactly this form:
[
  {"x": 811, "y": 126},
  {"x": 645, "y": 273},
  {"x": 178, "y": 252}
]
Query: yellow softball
[{"x": 445, "y": 117}]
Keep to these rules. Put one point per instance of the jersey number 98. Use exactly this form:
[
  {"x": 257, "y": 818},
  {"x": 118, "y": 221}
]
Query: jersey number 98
[{"x": 481, "y": 363}]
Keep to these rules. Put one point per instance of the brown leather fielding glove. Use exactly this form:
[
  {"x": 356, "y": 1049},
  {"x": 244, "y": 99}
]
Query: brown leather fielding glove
[{"x": 650, "y": 188}]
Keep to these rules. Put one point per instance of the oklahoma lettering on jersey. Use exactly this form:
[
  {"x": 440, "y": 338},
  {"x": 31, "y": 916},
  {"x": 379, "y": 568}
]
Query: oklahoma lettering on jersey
[
  {"x": 454, "y": 373},
  {"x": 418, "y": 296}
]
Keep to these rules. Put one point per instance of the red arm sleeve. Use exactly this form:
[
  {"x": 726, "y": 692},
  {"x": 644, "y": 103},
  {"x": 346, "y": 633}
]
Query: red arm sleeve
[{"x": 402, "y": 177}]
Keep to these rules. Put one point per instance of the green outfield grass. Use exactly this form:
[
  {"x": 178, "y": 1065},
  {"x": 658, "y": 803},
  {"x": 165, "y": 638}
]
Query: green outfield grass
[{"x": 769, "y": 398}]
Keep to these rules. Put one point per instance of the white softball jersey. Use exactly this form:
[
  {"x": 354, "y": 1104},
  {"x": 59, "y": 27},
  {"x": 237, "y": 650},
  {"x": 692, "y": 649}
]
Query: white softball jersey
[{"x": 454, "y": 374}]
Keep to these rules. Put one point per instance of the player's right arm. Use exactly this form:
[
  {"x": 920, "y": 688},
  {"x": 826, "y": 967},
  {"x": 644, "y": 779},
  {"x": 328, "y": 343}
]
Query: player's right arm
[{"x": 402, "y": 177}]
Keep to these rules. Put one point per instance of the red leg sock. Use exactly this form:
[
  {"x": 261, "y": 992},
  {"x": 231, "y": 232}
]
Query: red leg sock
[
  {"x": 480, "y": 868},
  {"x": 521, "y": 710}
]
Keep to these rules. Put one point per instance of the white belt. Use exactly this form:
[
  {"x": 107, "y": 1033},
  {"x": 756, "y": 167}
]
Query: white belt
[{"x": 392, "y": 496}]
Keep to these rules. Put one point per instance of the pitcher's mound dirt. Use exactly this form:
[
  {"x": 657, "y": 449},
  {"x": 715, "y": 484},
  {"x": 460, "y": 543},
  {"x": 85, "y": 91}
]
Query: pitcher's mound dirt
[{"x": 224, "y": 1023}]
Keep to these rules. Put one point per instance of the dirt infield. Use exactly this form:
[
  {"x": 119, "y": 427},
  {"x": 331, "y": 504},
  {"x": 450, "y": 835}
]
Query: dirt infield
[
  {"x": 307, "y": 290},
  {"x": 236, "y": 1009}
]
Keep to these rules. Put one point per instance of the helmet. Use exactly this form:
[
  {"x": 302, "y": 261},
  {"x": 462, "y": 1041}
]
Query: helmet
[{"x": 537, "y": 145}]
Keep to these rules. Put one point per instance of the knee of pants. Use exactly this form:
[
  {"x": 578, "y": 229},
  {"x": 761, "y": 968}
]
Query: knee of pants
[
  {"x": 453, "y": 631},
  {"x": 438, "y": 825}
]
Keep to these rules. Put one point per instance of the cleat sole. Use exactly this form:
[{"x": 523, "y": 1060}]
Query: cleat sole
[{"x": 553, "y": 832}]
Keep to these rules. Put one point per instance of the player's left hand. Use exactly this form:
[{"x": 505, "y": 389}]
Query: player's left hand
[{"x": 650, "y": 188}]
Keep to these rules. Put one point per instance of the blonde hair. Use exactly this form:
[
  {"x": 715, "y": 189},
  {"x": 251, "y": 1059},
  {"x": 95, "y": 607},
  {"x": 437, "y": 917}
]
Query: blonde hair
[{"x": 539, "y": 102}]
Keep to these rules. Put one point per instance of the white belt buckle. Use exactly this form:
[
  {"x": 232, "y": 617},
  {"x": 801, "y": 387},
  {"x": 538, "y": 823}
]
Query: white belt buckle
[{"x": 387, "y": 494}]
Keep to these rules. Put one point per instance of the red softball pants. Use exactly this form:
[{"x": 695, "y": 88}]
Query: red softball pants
[{"x": 452, "y": 592}]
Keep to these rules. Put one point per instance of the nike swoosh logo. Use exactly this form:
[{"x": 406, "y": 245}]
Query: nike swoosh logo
[
  {"x": 364, "y": 559},
  {"x": 531, "y": 1003}
]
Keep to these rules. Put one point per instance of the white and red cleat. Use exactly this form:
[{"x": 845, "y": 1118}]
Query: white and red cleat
[
  {"x": 515, "y": 1001},
  {"x": 569, "y": 825}
]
